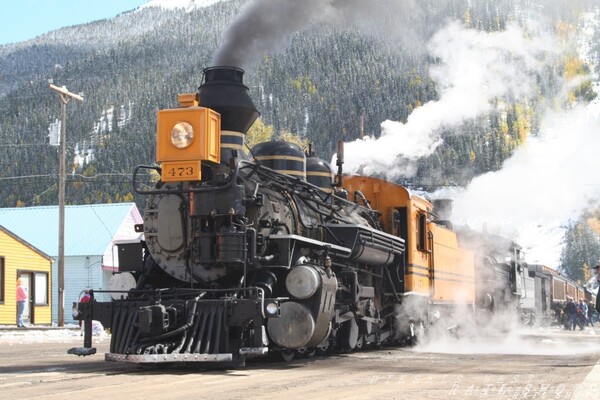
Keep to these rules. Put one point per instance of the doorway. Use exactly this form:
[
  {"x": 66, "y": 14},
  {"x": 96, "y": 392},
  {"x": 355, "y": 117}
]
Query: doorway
[{"x": 28, "y": 282}]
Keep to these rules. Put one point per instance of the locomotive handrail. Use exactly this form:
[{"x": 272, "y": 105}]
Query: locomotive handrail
[
  {"x": 180, "y": 189},
  {"x": 135, "y": 172},
  {"x": 340, "y": 251},
  {"x": 190, "y": 291}
]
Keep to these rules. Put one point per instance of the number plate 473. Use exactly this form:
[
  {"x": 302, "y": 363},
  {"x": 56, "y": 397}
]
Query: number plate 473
[{"x": 179, "y": 171}]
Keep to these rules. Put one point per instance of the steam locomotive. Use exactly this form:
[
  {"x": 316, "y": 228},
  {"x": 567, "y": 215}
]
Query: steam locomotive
[{"x": 273, "y": 252}]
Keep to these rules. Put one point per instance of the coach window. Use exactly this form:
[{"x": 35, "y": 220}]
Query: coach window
[
  {"x": 41, "y": 289},
  {"x": 422, "y": 232},
  {"x": 2, "y": 280}
]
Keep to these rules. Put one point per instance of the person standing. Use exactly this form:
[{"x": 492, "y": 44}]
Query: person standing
[
  {"x": 597, "y": 272},
  {"x": 592, "y": 313},
  {"x": 84, "y": 299},
  {"x": 582, "y": 311},
  {"x": 571, "y": 310},
  {"x": 21, "y": 302}
]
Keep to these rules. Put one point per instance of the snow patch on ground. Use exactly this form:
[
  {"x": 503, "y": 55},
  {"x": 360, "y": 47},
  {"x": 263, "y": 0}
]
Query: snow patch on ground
[
  {"x": 173, "y": 4},
  {"x": 33, "y": 334}
]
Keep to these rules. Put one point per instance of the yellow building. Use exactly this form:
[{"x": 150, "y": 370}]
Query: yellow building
[{"x": 20, "y": 259}]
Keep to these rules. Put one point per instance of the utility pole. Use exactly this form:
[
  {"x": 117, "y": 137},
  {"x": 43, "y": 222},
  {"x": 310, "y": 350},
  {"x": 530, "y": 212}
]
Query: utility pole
[
  {"x": 361, "y": 129},
  {"x": 65, "y": 96}
]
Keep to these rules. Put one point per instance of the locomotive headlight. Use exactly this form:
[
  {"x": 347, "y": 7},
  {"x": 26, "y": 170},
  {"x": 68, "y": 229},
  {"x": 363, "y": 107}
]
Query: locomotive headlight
[
  {"x": 272, "y": 309},
  {"x": 182, "y": 135}
]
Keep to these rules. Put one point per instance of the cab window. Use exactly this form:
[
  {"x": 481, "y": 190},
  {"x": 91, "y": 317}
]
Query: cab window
[{"x": 422, "y": 232}]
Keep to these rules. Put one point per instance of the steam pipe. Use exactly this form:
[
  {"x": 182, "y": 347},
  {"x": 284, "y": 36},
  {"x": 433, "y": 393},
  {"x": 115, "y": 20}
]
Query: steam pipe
[
  {"x": 361, "y": 195},
  {"x": 182, "y": 328},
  {"x": 253, "y": 257},
  {"x": 339, "y": 163}
]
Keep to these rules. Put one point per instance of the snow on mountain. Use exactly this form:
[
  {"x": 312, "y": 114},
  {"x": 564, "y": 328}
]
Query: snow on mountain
[{"x": 173, "y": 4}]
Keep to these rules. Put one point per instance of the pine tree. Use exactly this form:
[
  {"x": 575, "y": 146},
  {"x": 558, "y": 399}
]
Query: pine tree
[{"x": 581, "y": 250}]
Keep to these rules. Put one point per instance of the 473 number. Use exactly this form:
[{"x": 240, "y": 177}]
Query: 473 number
[{"x": 180, "y": 171}]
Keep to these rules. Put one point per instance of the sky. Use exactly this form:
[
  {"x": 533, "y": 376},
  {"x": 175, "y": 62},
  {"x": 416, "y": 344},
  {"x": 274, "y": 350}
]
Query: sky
[{"x": 25, "y": 19}]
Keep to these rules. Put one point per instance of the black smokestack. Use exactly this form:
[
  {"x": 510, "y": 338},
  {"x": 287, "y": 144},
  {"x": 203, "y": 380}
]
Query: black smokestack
[{"x": 223, "y": 90}]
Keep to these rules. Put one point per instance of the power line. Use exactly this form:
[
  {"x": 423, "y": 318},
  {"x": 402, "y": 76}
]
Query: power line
[
  {"x": 102, "y": 174},
  {"x": 86, "y": 178},
  {"x": 41, "y": 194},
  {"x": 25, "y": 176},
  {"x": 24, "y": 145},
  {"x": 108, "y": 142}
]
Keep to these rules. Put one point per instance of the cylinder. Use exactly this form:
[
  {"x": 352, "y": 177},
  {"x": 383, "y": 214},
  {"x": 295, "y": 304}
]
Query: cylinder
[
  {"x": 302, "y": 282},
  {"x": 294, "y": 328}
]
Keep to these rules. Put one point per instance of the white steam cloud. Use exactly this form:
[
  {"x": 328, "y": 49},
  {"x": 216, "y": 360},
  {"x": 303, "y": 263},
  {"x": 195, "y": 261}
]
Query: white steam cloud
[
  {"x": 553, "y": 175},
  {"x": 547, "y": 341},
  {"x": 551, "y": 178},
  {"x": 475, "y": 68}
]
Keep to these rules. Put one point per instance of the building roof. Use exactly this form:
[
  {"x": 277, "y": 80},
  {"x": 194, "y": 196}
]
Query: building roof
[
  {"x": 89, "y": 229},
  {"x": 24, "y": 243}
]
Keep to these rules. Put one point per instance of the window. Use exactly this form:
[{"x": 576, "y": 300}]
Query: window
[
  {"x": 2, "y": 279},
  {"x": 41, "y": 289},
  {"x": 422, "y": 232}
]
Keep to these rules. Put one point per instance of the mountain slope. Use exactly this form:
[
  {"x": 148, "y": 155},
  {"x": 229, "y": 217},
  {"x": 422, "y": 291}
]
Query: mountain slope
[{"x": 317, "y": 84}]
